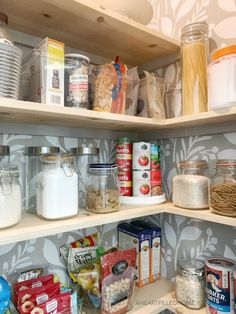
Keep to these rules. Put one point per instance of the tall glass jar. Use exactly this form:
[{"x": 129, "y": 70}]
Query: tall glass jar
[
  {"x": 10, "y": 196},
  {"x": 33, "y": 167},
  {"x": 84, "y": 156},
  {"x": 57, "y": 187},
  {"x": 223, "y": 188},
  {"x": 4, "y": 155},
  {"x": 191, "y": 185},
  {"x": 194, "y": 67},
  {"x": 102, "y": 193},
  {"x": 190, "y": 283}
]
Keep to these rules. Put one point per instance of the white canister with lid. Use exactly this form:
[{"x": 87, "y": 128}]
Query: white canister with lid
[
  {"x": 57, "y": 187},
  {"x": 222, "y": 79}
]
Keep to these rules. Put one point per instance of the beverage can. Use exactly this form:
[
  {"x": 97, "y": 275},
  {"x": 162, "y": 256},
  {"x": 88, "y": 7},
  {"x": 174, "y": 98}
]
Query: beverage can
[
  {"x": 125, "y": 181},
  {"x": 124, "y": 153},
  {"x": 141, "y": 183},
  {"x": 156, "y": 182},
  {"x": 141, "y": 156}
]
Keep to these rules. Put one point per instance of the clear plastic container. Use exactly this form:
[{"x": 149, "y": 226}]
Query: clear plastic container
[
  {"x": 10, "y": 196},
  {"x": 222, "y": 79},
  {"x": 191, "y": 185},
  {"x": 5, "y": 36},
  {"x": 173, "y": 100},
  {"x": 194, "y": 67},
  {"x": 102, "y": 193},
  {"x": 57, "y": 187},
  {"x": 84, "y": 156},
  {"x": 33, "y": 168},
  {"x": 190, "y": 283},
  {"x": 4, "y": 155},
  {"x": 223, "y": 188}
]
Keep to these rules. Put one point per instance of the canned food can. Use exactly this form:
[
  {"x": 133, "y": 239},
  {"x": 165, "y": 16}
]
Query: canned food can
[
  {"x": 155, "y": 156},
  {"x": 219, "y": 286},
  {"x": 76, "y": 80},
  {"x": 141, "y": 156},
  {"x": 125, "y": 181},
  {"x": 124, "y": 153},
  {"x": 141, "y": 183},
  {"x": 156, "y": 182}
]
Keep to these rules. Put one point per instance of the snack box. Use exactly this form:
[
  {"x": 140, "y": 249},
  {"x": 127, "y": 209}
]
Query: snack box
[
  {"x": 155, "y": 252},
  {"x": 131, "y": 236}
]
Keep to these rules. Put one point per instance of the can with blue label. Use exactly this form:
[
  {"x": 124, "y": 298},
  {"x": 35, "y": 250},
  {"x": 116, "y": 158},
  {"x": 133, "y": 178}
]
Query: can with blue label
[{"x": 219, "y": 285}]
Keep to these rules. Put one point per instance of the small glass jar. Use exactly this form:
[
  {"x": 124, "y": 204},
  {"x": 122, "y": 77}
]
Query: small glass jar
[
  {"x": 190, "y": 187},
  {"x": 57, "y": 187},
  {"x": 223, "y": 188},
  {"x": 194, "y": 52},
  {"x": 4, "y": 155},
  {"x": 84, "y": 156},
  {"x": 10, "y": 196},
  {"x": 190, "y": 283},
  {"x": 33, "y": 167},
  {"x": 102, "y": 193}
]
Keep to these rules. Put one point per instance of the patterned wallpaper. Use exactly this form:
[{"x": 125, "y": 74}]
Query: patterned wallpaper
[{"x": 182, "y": 237}]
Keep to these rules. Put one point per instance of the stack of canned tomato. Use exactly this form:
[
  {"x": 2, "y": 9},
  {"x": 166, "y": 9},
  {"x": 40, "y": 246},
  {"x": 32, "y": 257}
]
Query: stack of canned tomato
[{"x": 138, "y": 168}]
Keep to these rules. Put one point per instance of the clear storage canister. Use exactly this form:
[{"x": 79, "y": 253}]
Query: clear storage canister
[
  {"x": 194, "y": 67},
  {"x": 84, "y": 156},
  {"x": 10, "y": 196},
  {"x": 102, "y": 193},
  {"x": 57, "y": 187},
  {"x": 4, "y": 155},
  {"x": 223, "y": 188},
  {"x": 33, "y": 167},
  {"x": 190, "y": 187},
  {"x": 190, "y": 283}
]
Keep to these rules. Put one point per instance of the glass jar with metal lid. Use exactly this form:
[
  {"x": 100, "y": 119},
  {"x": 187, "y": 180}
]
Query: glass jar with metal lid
[
  {"x": 102, "y": 192},
  {"x": 84, "y": 156},
  {"x": 4, "y": 155},
  {"x": 223, "y": 188},
  {"x": 57, "y": 187},
  {"x": 190, "y": 187},
  {"x": 33, "y": 167},
  {"x": 190, "y": 283},
  {"x": 10, "y": 196}
]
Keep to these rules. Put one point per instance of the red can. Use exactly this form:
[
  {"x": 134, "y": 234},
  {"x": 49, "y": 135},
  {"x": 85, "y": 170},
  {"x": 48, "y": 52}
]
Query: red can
[
  {"x": 156, "y": 182},
  {"x": 125, "y": 179},
  {"x": 124, "y": 153}
]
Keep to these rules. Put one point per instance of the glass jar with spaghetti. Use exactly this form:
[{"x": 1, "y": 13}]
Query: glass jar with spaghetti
[
  {"x": 194, "y": 54},
  {"x": 223, "y": 188}
]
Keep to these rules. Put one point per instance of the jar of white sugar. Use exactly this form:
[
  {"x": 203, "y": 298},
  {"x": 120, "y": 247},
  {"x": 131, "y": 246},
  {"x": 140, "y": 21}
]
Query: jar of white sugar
[
  {"x": 190, "y": 187},
  {"x": 57, "y": 187},
  {"x": 190, "y": 283}
]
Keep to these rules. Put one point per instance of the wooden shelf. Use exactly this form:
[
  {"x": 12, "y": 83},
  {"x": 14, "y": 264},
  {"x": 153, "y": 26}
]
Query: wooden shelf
[
  {"x": 31, "y": 226},
  {"x": 86, "y": 25}
]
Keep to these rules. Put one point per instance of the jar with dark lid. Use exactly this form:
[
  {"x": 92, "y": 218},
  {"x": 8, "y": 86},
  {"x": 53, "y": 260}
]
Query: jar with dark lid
[
  {"x": 194, "y": 67},
  {"x": 191, "y": 185},
  {"x": 4, "y": 155},
  {"x": 102, "y": 192},
  {"x": 5, "y": 36},
  {"x": 190, "y": 283},
  {"x": 223, "y": 188},
  {"x": 33, "y": 167},
  {"x": 84, "y": 156}
]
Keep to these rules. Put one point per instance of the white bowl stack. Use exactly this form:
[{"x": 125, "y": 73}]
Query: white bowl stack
[{"x": 10, "y": 71}]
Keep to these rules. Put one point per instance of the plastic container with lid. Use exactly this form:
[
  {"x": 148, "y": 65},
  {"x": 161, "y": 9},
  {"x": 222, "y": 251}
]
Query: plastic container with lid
[
  {"x": 57, "y": 187},
  {"x": 222, "y": 78},
  {"x": 223, "y": 188},
  {"x": 4, "y": 155},
  {"x": 191, "y": 185},
  {"x": 194, "y": 50},
  {"x": 190, "y": 283},
  {"x": 10, "y": 196},
  {"x": 102, "y": 193},
  {"x": 5, "y": 36},
  {"x": 84, "y": 156},
  {"x": 33, "y": 167}
]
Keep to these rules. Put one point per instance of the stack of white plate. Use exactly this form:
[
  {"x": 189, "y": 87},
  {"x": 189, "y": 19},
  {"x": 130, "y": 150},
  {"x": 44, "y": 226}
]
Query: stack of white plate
[{"x": 10, "y": 71}]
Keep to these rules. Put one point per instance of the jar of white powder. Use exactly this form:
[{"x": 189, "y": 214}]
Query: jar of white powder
[
  {"x": 190, "y": 187},
  {"x": 190, "y": 283},
  {"x": 10, "y": 196},
  {"x": 57, "y": 187}
]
